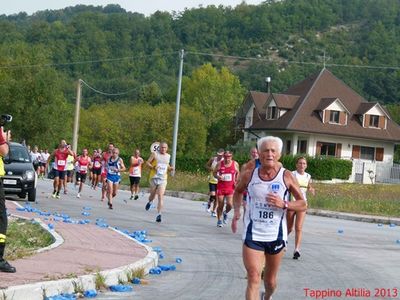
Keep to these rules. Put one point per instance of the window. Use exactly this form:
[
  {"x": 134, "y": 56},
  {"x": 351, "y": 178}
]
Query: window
[
  {"x": 288, "y": 145},
  {"x": 334, "y": 116},
  {"x": 367, "y": 153},
  {"x": 302, "y": 146},
  {"x": 374, "y": 121},
  {"x": 329, "y": 149},
  {"x": 272, "y": 113}
]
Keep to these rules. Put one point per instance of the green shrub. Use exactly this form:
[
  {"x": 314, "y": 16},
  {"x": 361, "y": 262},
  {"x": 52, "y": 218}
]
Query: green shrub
[{"x": 321, "y": 167}]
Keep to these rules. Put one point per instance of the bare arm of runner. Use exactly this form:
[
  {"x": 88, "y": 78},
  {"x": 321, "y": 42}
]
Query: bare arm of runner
[
  {"x": 244, "y": 179},
  {"x": 122, "y": 169},
  {"x": 150, "y": 160},
  {"x": 299, "y": 205},
  {"x": 216, "y": 170}
]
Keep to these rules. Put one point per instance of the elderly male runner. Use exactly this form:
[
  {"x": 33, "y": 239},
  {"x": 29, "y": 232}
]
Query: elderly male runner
[
  {"x": 265, "y": 232},
  {"x": 158, "y": 163}
]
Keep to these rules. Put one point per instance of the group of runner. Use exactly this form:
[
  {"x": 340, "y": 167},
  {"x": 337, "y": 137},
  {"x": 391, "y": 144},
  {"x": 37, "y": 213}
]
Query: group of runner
[
  {"x": 105, "y": 168},
  {"x": 39, "y": 159}
]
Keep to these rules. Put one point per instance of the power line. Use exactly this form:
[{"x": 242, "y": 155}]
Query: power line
[
  {"x": 108, "y": 94},
  {"x": 295, "y": 62},
  {"x": 83, "y": 62},
  {"x": 195, "y": 53}
]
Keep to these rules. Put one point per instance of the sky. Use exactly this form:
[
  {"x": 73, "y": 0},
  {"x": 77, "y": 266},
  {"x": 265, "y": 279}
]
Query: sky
[{"x": 146, "y": 7}]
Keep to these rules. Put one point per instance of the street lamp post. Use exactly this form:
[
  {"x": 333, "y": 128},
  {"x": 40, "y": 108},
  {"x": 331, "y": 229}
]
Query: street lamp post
[
  {"x": 178, "y": 101},
  {"x": 76, "y": 119}
]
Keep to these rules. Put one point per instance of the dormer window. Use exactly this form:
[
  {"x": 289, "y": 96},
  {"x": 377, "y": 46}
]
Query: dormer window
[
  {"x": 334, "y": 116},
  {"x": 374, "y": 121},
  {"x": 272, "y": 113}
]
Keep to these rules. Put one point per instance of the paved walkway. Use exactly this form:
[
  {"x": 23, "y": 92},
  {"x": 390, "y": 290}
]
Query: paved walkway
[{"x": 86, "y": 249}]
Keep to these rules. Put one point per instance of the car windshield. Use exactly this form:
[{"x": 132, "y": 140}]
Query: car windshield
[{"x": 17, "y": 154}]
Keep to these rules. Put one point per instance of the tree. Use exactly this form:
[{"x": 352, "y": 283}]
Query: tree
[
  {"x": 131, "y": 126},
  {"x": 34, "y": 97},
  {"x": 217, "y": 94}
]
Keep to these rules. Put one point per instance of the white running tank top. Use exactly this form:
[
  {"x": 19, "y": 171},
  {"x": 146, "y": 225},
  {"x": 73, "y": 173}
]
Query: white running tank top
[{"x": 264, "y": 223}]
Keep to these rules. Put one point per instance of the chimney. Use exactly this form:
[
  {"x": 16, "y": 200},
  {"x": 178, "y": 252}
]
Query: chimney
[{"x": 268, "y": 83}]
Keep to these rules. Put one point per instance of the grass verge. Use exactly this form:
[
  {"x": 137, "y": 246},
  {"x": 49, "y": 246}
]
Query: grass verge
[
  {"x": 372, "y": 199},
  {"x": 24, "y": 237}
]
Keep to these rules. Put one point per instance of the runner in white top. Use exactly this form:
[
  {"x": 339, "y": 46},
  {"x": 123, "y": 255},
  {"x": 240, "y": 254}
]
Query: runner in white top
[
  {"x": 159, "y": 167},
  {"x": 304, "y": 180},
  {"x": 35, "y": 157},
  {"x": 44, "y": 156},
  {"x": 265, "y": 230}
]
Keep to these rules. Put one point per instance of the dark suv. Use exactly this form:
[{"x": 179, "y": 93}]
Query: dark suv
[{"x": 20, "y": 178}]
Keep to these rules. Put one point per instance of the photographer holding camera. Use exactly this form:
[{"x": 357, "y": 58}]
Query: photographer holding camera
[{"x": 4, "y": 138}]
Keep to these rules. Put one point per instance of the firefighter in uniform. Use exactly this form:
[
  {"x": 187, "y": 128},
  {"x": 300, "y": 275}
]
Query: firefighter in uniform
[{"x": 4, "y": 265}]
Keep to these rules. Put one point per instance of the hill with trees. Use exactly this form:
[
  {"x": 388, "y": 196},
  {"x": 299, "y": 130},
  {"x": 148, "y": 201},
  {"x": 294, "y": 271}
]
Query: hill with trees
[{"x": 133, "y": 60}]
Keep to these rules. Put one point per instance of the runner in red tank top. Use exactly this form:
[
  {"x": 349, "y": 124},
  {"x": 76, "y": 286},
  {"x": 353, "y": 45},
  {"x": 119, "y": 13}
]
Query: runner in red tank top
[
  {"x": 60, "y": 162},
  {"x": 83, "y": 164},
  {"x": 227, "y": 172}
]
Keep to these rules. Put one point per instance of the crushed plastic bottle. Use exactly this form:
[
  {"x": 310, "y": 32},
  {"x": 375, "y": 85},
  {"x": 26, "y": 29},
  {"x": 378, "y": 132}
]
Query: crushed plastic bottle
[
  {"x": 51, "y": 226},
  {"x": 63, "y": 296},
  {"x": 90, "y": 294},
  {"x": 380, "y": 224},
  {"x": 85, "y": 213},
  {"x": 392, "y": 225},
  {"x": 87, "y": 208},
  {"x": 120, "y": 288},
  {"x": 136, "y": 280},
  {"x": 178, "y": 260},
  {"x": 167, "y": 267},
  {"x": 397, "y": 241},
  {"x": 155, "y": 271},
  {"x": 340, "y": 231}
]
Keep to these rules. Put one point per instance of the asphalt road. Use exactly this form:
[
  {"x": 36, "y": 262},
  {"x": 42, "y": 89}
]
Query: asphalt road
[{"x": 336, "y": 254}]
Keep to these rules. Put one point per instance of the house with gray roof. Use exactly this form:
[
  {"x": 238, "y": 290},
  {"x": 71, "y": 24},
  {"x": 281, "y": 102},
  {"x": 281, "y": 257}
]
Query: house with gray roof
[{"x": 321, "y": 115}]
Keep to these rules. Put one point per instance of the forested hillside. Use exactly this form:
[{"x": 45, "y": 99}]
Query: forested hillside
[{"x": 118, "y": 52}]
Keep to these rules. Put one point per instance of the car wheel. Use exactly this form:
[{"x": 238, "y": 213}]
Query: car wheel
[{"x": 32, "y": 195}]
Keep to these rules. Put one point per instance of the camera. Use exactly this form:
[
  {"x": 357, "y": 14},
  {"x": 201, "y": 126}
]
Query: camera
[{"x": 4, "y": 119}]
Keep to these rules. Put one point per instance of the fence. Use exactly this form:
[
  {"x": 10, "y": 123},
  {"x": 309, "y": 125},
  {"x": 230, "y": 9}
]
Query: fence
[{"x": 387, "y": 173}]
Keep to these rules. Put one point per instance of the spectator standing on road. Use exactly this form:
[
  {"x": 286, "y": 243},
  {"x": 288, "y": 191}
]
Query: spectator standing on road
[
  {"x": 213, "y": 181},
  {"x": 135, "y": 173},
  {"x": 296, "y": 218},
  {"x": 4, "y": 265},
  {"x": 227, "y": 173},
  {"x": 159, "y": 164},
  {"x": 264, "y": 231},
  {"x": 115, "y": 165}
]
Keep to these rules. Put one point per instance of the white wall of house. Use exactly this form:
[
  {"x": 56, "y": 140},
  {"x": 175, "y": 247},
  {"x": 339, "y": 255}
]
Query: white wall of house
[
  {"x": 375, "y": 111},
  {"x": 335, "y": 106},
  {"x": 248, "y": 122}
]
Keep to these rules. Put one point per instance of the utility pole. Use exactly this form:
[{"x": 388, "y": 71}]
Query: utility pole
[
  {"x": 178, "y": 101},
  {"x": 76, "y": 120}
]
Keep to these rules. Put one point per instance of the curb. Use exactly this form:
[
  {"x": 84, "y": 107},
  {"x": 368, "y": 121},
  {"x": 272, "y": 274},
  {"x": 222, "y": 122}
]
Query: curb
[
  {"x": 40, "y": 290},
  {"x": 353, "y": 217}
]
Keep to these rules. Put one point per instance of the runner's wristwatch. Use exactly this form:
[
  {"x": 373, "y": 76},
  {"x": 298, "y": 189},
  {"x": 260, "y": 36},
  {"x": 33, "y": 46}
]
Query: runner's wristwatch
[{"x": 286, "y": 203}]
